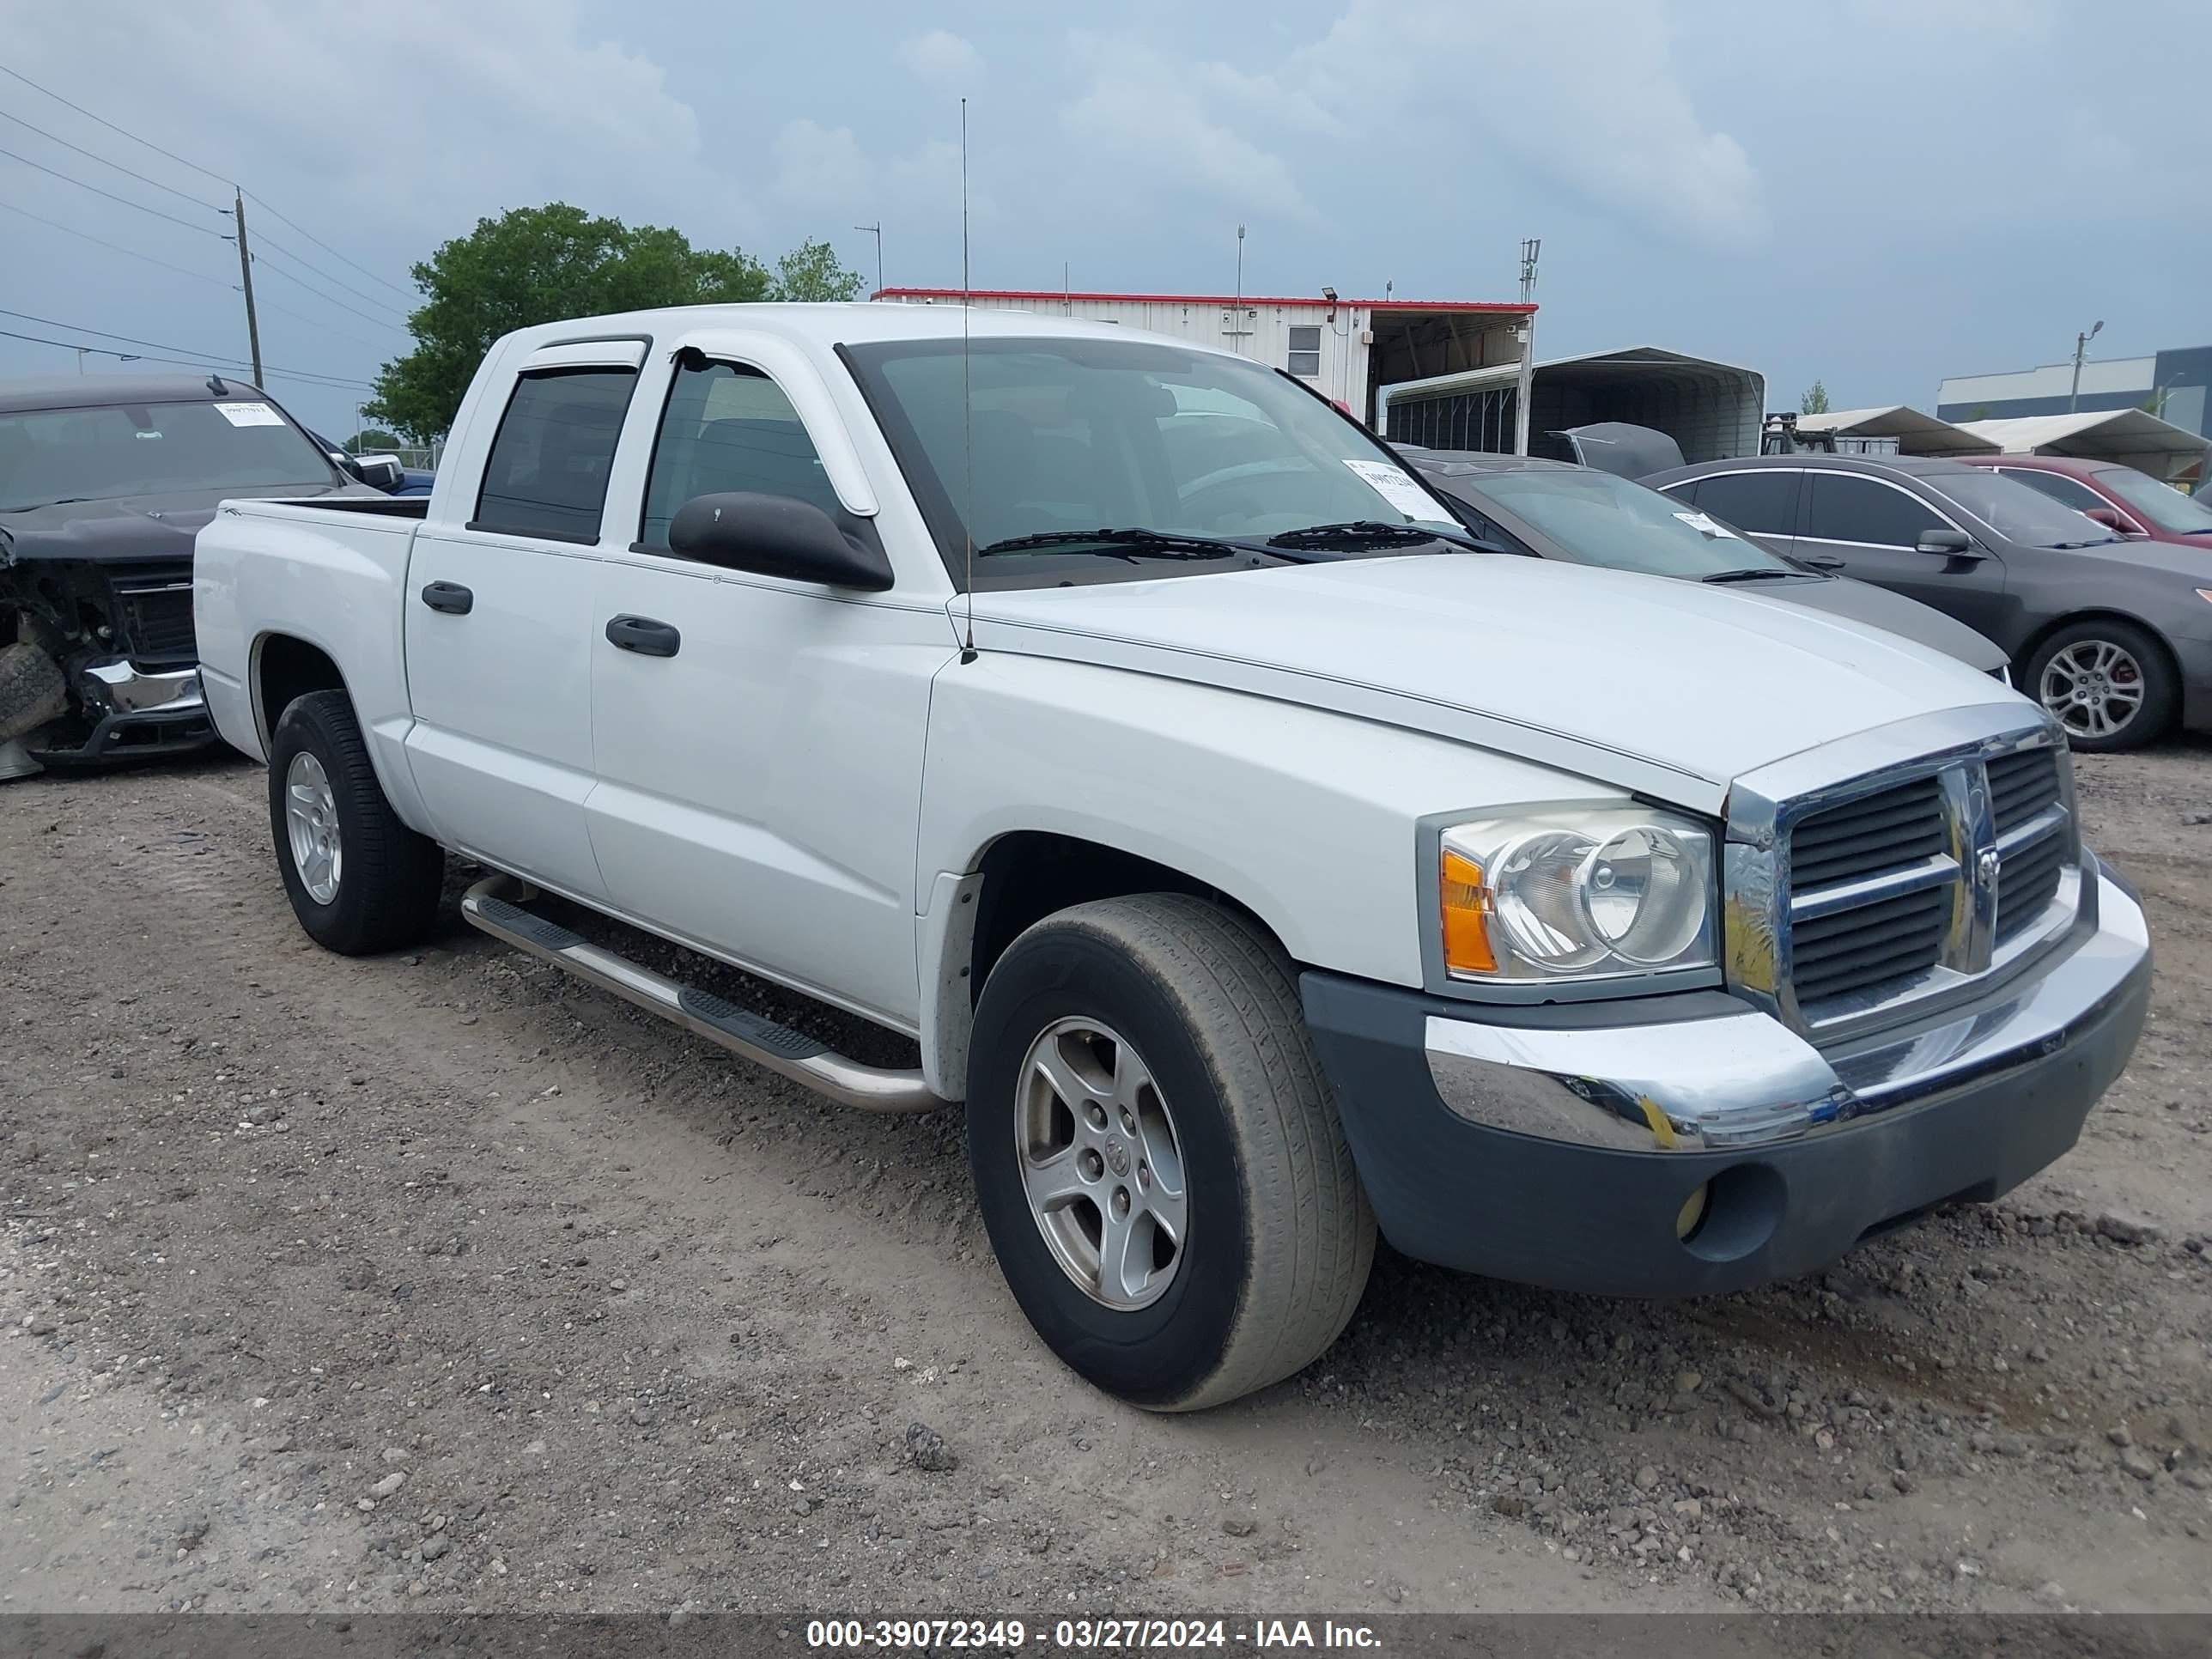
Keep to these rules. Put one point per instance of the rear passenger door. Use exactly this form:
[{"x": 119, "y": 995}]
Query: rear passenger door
[
  {"x": 760, "y": 761},
  {"x": 1873, "y": 526},
  {"x": 1762, "y": 502},
  {"x": 497, "y": 626}
]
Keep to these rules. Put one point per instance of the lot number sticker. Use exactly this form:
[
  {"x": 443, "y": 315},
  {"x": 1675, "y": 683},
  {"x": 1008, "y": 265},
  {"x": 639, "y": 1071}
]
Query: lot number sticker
[
  {"x": 1394, "y": 486},
  {"x": 249, "y": 415}
]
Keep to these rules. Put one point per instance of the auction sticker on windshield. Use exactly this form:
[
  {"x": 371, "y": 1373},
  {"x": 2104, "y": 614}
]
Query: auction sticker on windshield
[
  {"x": 249, "y": 415},
  {"x": 1699, "y": 521},
  {"x": 1396, "y": 486}
]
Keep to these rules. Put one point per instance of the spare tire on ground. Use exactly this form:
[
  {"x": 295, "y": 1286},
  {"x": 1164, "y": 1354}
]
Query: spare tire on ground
[{"x": 32, "y": 691}]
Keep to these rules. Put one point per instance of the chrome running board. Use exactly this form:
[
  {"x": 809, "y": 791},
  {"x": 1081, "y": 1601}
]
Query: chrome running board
[{"x": 495, "y": 905}]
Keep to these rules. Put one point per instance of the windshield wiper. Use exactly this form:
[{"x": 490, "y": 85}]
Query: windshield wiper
[
  {"x": 1763, "y": 574},
  {"x": 32, "y": 506},
  {"x": 1363, "y": 533},
  {"x": 1122, "y": 544}
]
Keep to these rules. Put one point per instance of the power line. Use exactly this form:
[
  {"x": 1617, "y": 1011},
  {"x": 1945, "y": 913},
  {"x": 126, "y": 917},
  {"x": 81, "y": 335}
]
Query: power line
[
  {"x": 327, "y": 248},
  {"x": 205, "y": 173},
  {"x": 279, "y": 270},
  {"x": 314, "y": 322},
  {"x": 263, "y": 240},
  {"x": 110, "y": 194},
  {"x": 92, "y": 155},
  {"x": 111, "y": 127},
  {"x": 186, "y": 362},
  {"x": 116, "y": 247},
  {"x": 167, "y": 345}
]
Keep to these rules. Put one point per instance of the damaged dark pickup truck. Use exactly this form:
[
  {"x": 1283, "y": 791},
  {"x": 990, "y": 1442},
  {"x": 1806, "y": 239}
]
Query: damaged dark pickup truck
[{"x": 103, "y": 482}]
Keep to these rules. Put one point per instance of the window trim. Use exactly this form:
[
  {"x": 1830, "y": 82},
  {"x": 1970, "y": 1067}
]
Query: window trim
[
  {"x": 1804, "y": 512},
  {"x": 1797, "y": 507},
  {"x": 476, "y": 521}
]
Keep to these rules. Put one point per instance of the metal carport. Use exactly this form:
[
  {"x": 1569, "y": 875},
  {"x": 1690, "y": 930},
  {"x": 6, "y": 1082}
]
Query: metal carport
[
  {"x": 2166, "y": 451},
  {"x": 1911, "y": 432},
  {"x": 1711, "y": 410}
]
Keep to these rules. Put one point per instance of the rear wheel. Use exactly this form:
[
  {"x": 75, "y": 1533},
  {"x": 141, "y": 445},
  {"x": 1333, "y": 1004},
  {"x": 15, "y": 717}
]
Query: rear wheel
[
  {"x": 1157, "y": 1156},
  {"x": 2108, "y": 683},
  {"x": 359, "y": 879}
]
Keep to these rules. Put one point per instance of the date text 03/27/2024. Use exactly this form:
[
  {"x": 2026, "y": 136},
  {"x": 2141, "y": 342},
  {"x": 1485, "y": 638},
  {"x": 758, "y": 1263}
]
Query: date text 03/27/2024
[{"x": 1086, "y": 1634}]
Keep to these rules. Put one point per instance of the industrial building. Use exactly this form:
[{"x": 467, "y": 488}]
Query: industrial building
[
  {"x": 1344, "y": 349},
  {"x": 2170, "y": 385}
]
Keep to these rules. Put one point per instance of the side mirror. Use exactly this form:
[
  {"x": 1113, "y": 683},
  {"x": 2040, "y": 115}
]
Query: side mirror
[
  {"x": 1952, "y": 544},
  {"x": 777, "y": 536},
  {"x": 384, "y": 471}
]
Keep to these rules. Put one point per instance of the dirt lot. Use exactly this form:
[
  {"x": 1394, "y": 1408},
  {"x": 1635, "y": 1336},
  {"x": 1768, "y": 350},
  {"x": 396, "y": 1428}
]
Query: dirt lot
[{"x": 438, "y": 1282}]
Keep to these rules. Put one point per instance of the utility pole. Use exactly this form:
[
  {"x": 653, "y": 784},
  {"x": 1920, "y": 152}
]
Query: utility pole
[
  {"x": 877, "y": 231},
  {"x": 246, "y": 276},
  {"x": 1525, "y": 388},
  {"x": 2081, "y": 350},
  {"x": 1236, "y": 328}
]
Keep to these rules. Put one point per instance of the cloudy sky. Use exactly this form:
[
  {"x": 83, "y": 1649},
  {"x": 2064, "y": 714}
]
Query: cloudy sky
[{"x": 1876, "y": 192}]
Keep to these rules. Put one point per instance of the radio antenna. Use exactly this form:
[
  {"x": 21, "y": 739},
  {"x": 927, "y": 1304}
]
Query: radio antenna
[{"x": 967, "y": 404}]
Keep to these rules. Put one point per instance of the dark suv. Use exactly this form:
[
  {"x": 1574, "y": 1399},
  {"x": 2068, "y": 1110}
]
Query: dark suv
[{"x": 2114, "y": 637}]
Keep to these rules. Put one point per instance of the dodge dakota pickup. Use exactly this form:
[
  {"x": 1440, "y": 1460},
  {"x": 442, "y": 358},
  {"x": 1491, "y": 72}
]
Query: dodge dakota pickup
[{"x": 1261, "y": 866}]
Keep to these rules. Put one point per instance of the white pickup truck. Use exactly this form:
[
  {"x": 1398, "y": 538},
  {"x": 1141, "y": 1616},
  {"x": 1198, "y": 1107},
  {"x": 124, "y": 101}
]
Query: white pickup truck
[{"x": 1261, "y": 865}]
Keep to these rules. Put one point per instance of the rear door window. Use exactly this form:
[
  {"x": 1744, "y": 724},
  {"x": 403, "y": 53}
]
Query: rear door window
[
  {"x": 1845, "y": 508},
  {"x": 1763, "y": 503},
  {"x": 547, "y": 474}
]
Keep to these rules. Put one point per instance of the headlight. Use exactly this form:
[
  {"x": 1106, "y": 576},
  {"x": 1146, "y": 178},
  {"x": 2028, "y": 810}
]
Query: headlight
[{"x": 1593, "y": 893}]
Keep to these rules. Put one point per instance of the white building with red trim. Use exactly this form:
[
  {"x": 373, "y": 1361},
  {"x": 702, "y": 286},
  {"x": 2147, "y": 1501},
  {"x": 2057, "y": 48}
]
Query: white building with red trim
[{"x": 1344, "y": 349}]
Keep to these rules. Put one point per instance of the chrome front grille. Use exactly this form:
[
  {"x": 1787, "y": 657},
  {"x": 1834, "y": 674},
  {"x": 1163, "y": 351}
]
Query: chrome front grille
[
  {"x": 1859, "y": 900},
  {"x": 153, "y": 612}
]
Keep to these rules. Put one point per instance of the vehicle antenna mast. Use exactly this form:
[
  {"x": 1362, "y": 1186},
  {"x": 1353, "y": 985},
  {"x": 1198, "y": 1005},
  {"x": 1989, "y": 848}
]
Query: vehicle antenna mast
[{"x": 967, "y": 405}]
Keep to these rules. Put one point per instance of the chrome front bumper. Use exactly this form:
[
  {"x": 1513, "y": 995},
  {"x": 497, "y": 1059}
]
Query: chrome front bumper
[
  {"x": 114, "y": 685},
  {"x": 130, "y": 713},
  {"x": 1746, "y": 1082}
]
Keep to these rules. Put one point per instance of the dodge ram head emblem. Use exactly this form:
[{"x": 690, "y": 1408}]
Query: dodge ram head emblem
[{"x": 1987, "y": 863}]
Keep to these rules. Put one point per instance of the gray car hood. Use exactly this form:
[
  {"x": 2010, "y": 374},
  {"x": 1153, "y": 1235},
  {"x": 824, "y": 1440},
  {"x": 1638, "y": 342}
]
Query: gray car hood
[
  {"x": 1877, "y": 607},
  {"x": 1670, "y": 688}
]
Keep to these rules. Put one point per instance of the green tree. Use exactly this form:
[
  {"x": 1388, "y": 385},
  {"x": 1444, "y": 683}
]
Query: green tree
[
  {"x": 538, "y": 265},
  {"x": 1816, "y": 400},
  {"x": 810, "y": 272},
  {"x": 372, "y": 440}
]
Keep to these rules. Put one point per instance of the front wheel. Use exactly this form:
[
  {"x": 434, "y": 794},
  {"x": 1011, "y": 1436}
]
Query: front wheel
[
  {"x": 1155, "y": 1154},
  {"x": 2108, "y": 683},
  {"x": 359, "y": 880}
]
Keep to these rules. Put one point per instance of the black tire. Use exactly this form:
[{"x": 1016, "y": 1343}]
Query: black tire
[
  {"x": 32, "y": 691},
  {"x": 391, "y": 878},
  {"x": 1280, "y": 1236},
  {"x": 2153, "y": 714}
]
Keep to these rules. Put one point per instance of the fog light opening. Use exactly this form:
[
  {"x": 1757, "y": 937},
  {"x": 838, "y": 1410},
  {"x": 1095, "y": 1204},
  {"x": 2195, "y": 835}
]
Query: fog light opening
[{"x": 1692, "y": 1215}]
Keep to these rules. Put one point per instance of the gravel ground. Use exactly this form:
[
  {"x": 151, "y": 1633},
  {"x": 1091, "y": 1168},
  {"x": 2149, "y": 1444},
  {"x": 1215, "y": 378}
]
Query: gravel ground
[{"x": 440, "y": 1282}]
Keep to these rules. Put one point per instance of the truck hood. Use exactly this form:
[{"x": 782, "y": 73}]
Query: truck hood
[
  {"x": 129, "y": 529},
  {"x": 1664, "y": 687}
]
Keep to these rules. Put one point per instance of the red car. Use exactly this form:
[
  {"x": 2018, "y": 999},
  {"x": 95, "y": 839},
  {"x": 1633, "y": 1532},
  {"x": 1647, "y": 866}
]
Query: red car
[{"x": 2119, "y": 497}]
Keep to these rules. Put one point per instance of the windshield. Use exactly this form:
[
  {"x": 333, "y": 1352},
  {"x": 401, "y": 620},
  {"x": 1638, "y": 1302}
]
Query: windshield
[
  {"x": 2165, "y": 507},
  {"x": 144, "y": 449},
  {"x": 1060, "y": 437},
  {"x": 1603, "y": 519},
  {"x": 2017, "y": 512}
]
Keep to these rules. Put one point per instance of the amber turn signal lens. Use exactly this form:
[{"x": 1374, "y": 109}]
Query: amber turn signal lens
[{"x": 1467, "y": 914}]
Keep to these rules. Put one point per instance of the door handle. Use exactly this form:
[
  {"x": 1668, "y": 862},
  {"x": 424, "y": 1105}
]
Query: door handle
[
  {"x": 451, "y": 597},
  {"x": 644, "y": 636}
]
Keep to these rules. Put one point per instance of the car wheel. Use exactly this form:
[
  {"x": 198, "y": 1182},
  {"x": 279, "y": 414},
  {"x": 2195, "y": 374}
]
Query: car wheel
[
  {"x": 1155, "y": 1154},
  {"x": 32, "y": 691},
  {"x": 2109, "y": 683},
  {"x": 359, "y": 879}
]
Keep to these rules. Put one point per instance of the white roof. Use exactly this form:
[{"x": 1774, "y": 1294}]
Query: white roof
[
  {"x": 1915, "y": 433},
  {"x": 854, "y": 321},
  {"x": 2127, "y": 435}
]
